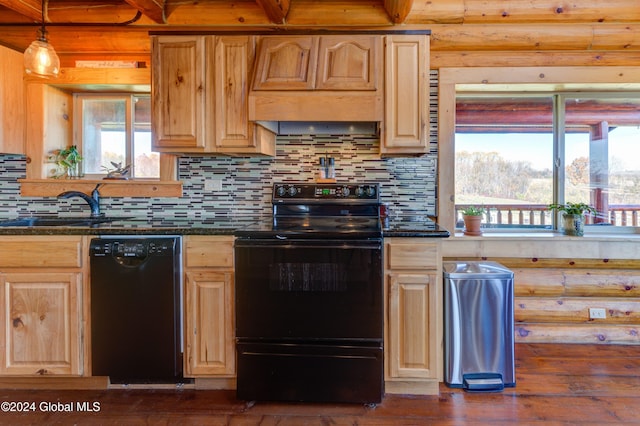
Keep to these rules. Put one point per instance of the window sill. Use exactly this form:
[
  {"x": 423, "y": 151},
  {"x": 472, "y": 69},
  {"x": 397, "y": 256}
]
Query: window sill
[
  {"x": 108, "y": 188},
  {"x": 530, "y": 236}
]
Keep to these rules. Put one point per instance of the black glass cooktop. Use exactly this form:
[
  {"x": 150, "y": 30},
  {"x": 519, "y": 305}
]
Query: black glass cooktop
[{"x": 329, "y": 227}]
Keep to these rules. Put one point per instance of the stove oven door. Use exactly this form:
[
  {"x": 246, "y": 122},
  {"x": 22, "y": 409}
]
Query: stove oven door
[
  {"x": 309, "y": 289},
  {"x": 309, "y": 321}
]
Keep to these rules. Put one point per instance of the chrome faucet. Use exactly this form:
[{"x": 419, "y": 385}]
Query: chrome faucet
[{"x": 93, "y": 201}]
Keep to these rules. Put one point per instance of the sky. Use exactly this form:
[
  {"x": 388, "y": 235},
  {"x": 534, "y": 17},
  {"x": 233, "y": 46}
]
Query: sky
[{"x": 624, "y": 147}]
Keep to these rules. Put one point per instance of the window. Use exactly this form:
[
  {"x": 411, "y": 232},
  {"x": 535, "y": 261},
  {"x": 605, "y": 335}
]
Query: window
[
  {"x": 601, "y": 151},
  {"x": 115, "y": 131},
  {"x": 504, "y": 158},
  {"x": 517, "y": 153}
]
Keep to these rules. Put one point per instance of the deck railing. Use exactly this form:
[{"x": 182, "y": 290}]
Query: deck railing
[{"x": 539, "y": 215}]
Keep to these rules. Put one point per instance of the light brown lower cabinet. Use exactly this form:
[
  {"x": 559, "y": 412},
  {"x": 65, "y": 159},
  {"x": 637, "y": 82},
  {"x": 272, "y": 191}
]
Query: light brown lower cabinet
[
  {"x": 41, "y": 305},
  {"x": 413, "y": 312},
  {"x": 208, "y": 308}
]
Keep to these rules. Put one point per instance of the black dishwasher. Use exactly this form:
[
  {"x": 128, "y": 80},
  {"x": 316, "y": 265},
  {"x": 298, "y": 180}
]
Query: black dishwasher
[{"x": 135, "y": 309}]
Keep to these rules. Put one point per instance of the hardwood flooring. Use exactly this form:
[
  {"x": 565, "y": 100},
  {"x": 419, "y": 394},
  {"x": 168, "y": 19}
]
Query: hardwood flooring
[{"x": 555, "y": 384}]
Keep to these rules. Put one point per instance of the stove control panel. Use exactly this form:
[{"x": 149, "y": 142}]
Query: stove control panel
[{"x": 304, "y": 192}]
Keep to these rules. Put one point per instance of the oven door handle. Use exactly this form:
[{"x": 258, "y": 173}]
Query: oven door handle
[{"x": 373, "y": 245}]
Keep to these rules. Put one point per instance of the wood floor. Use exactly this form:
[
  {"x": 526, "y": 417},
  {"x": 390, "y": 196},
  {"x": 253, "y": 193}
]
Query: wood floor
[{"x": 555, "y": 384}]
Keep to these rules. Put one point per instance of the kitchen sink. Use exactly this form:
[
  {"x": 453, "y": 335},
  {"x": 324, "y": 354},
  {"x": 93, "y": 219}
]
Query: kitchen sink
[{"x": 32, "y": 221}]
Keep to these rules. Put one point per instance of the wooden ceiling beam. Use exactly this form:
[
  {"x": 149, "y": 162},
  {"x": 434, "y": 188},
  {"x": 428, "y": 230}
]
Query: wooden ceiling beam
[
  {"x": 398, "y": 9},
  {"x": 32, "y": 9},
  {"x": 276, "y": 10},
  {"x": 153, "y": 9}
]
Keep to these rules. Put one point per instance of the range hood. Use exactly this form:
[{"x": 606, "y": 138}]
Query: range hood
[
  {"x": 315, "y": 106},
  {"x": 325, "y": 128},
  {"x": 318, "y": 79}
]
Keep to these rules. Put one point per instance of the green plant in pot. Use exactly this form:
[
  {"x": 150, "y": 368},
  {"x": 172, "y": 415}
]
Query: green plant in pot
[
  {"x": 573, "y": 217},
  {"x": 68, "y": 162},
  {"x": 472, "y": 217}
]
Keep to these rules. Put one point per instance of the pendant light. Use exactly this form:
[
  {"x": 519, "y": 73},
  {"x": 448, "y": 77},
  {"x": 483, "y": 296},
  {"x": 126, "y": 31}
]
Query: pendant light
[{"x": 40, "y": 58}]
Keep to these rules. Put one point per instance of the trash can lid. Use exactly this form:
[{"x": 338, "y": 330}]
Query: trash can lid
[{"x": 475, "y": 269}]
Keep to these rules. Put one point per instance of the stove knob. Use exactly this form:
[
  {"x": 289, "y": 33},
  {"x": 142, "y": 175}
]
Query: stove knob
[
  {"x": 281, "y": 191},
  {"x": 345, "y": 191},
  {"x": 359, "y": 191},
  {"x": 371, "y": 191},
  {"x": 292, "y": 191}
]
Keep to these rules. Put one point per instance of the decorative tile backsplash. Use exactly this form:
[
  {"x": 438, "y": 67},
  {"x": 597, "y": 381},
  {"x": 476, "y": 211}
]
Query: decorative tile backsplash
[{"x": 408, "y": 184}]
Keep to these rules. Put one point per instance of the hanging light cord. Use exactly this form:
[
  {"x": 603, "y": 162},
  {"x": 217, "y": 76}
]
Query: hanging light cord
[{"x": 43, "y": 30}]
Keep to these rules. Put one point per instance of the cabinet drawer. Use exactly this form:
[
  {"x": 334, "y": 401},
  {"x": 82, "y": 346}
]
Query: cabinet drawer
[
  {"x": 41, "y": 252},
  {"x": 409, "y": 254},
  {"x": 208, "y": 252}
]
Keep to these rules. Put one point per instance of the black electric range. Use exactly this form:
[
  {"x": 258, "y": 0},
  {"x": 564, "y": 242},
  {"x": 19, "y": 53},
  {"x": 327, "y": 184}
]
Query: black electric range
[{"x": 309, "y": 297}]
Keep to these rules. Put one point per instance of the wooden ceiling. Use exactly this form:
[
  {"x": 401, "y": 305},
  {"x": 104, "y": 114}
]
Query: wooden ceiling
[
  {"x": 463, "y": 32},
  {"x": 120, "y": 28}
]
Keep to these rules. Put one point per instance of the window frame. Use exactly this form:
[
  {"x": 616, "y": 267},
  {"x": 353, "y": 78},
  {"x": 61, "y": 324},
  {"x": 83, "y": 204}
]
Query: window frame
[
  {"x": 524, "y": 95},
  {"x": 78, "y": 99},
  {"x": 605, "y": 80}
]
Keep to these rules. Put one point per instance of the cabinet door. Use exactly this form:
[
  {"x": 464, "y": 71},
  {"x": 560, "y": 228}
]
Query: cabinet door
[
  {"x": 349, "y": 63},
  {"x": 406, "y": 125},
  {"x": 286, "y": 63},
  {"x": 233, "y": 57},
  {"x": 412, "y": 346},
  {"x": 178, "y": 93},
  {"x": 209, "y": 324},
  {"x": 40, "y": 320}
]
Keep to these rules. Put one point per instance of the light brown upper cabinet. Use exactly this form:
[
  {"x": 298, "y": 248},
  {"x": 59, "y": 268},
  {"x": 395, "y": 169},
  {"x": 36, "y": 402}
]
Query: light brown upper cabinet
[
  {"x": 405, "y": 128},
  {"x": 318, "y": 63},
  {"x": 178, "y": 88},
  {"x": 199, "y": 94},
  {"x": 349, "y": 64},
  {"x": 206, "y": 99},
  {"x": 318, "y": 78},
  {"x": 286, "y": 63}
]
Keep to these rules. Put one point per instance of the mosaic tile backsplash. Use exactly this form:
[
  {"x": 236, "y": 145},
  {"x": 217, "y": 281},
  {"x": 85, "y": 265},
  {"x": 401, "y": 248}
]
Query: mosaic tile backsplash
[{"x": 407, "y": 184}]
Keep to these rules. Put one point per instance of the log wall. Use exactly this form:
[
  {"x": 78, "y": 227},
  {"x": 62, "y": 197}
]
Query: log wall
[
  {"x": 553, "y": 295},
  {"x": 465, "y": 33}
]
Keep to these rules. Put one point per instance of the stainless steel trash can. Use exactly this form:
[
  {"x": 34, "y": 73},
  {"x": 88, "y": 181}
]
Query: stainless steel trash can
[{"x": 478, "y": 326}]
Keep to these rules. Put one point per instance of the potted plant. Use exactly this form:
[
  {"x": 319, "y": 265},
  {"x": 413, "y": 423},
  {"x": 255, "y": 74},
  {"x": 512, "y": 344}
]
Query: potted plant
[
  {"x": 472, "y": 217},
  {"x": 68, "y": 162},
  {"x": 573, "y": 217}
]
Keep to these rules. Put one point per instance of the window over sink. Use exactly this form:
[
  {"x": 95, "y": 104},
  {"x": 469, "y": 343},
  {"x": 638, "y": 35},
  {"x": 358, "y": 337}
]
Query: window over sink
[
  {"x": 115, "y": 131},
  {"x": 54, "y": 120}
]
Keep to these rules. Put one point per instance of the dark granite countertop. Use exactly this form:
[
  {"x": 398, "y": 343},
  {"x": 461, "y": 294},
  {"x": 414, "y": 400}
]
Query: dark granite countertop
[
  {"x": 412, "y": 226},
  {"x": 403, "y": 226},
  {"x": 140, "y": 226}
]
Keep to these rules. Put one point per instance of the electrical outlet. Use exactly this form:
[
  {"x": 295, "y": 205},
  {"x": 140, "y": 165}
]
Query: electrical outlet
[
  {"x": 597, "y": 313},
  {"x": 213, "y": 185}
]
